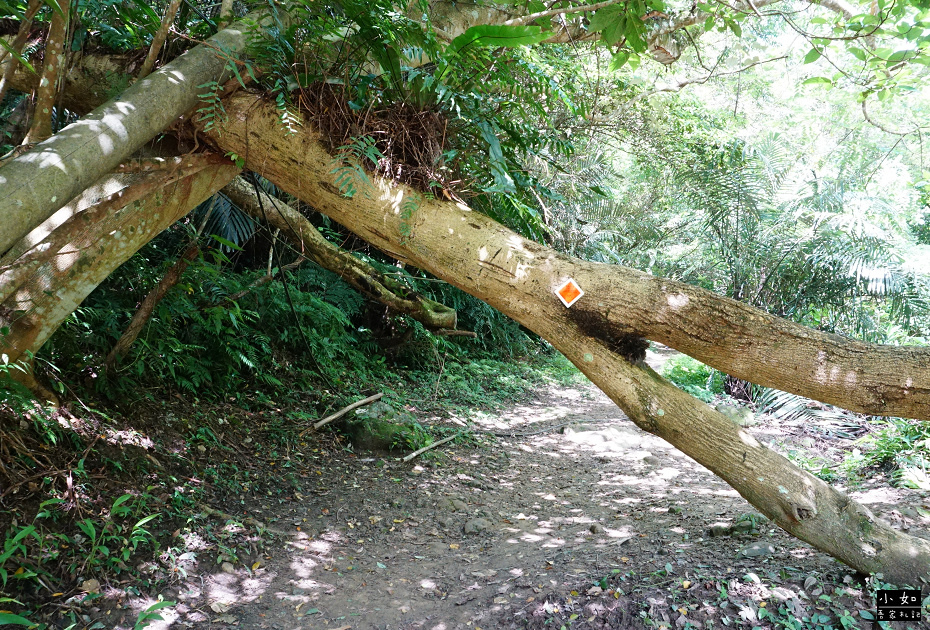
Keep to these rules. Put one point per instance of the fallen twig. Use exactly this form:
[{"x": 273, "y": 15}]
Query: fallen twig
[
  {"x": 528, "y": 433},
  {"x": 342, "y": 412},
  {"x": 431, "y": 446}
]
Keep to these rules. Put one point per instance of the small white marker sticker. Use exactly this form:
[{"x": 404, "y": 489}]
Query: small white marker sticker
[{"x": 569, "y": 292}]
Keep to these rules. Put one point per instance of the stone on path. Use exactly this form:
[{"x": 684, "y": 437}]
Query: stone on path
[
  {"x": 757, "y": 549},
  {"x": 476, "y": 525}
]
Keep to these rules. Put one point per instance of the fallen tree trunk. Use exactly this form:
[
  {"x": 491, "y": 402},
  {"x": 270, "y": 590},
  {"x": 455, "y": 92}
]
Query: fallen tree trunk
[
  {"x": 310, "y": 243},
  {"x": 733, "y": 337},
  {"x": 601, "y": 335}
]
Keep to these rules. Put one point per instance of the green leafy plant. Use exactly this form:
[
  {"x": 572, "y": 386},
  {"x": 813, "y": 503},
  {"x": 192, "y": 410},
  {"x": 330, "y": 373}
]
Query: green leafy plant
[
  {"x": 151, "y": 614},
  {"x": 110, "y": 545},
  {"x": 15, "y": 545},
  {"x": 348, "y": 169},
  {"x": 694, "y": 377},
  {"x": 211, "y": 112},
  {"x": 901, "y": 447}
]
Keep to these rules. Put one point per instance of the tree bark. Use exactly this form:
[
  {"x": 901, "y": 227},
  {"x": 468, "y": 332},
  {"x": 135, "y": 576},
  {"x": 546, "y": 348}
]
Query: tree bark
[
  {"x": 87, "y": 246},
  {"x": 111, "y": 194},
  {"x": 600, "y": 334},
  {"x": 733, "y": 337},
  {"x": 363, "y": 277},
  {"x": 52, "y": 70},
  {"x": 40, "y": 181}
]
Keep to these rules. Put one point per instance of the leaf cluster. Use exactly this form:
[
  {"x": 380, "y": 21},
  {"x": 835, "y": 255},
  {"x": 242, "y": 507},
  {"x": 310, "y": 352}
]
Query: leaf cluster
[{"x": 486, "y": 100}]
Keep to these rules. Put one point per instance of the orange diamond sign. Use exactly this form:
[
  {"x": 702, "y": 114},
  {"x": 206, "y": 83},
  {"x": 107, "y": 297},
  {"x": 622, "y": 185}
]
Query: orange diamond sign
[{"x": 569, "y": 292}]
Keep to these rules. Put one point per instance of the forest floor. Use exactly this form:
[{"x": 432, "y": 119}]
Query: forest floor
[{"x": 568, "y": 517}]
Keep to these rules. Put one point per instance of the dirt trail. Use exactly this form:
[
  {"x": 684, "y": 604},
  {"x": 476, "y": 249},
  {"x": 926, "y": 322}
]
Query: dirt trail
[{"x": 596, "y": 524}]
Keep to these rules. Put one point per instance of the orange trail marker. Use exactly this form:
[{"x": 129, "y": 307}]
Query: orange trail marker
[{"x": 569, "y": 292}]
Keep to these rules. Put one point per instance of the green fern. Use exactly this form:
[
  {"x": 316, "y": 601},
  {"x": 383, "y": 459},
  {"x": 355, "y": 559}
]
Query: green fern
[
  {"x": 348, "y": 168},
  {"x": 211, "y": 112},
  {"x": 410, "y": 204}
]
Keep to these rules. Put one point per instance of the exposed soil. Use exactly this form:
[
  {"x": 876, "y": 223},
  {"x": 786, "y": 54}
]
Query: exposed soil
[
  {"x": 593, "y": 524},
  {"x": 565, "y": 515}
]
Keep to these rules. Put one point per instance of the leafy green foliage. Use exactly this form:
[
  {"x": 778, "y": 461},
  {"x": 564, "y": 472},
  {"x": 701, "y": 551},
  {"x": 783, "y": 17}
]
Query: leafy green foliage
[
  {"x": 199, "y": 339},
  {"x": 105, "y": 542},
  {"x": 216, "y": 335},
  {"x": 12, "y": 393},
  {"x": 211, "y": 112},
  {"x": 802, "y": 249},
  {"x": 496, "y": 95},
  {"x": 623, "y": 24},
  {"x": 901, "y": 447},
  {"x": 694, "y": 377},
  {"x": 349, "y": 166}
]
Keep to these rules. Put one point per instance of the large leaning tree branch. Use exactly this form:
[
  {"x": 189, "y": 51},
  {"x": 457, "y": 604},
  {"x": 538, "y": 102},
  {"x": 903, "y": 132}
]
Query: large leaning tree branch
[
  {"x": 731, "y": 336},
  {"x": 601, "y": 335},
  {"x": 363, "y": 277},
  {"x": 41, "y": 180},
  {"x": 94, "y": 205}
]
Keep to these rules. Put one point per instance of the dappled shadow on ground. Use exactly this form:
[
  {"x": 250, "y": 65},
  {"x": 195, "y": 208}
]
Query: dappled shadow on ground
[{"x": 592, "y": 524}]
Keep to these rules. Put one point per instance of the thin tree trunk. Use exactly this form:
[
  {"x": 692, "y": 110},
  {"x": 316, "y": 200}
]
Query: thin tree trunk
[
  {"x": 159, "y": 40},
  {"x": 53, "y": 68},
  {"x": 144, "y": 313},
  {"x": 600, "y": 334},
  {"x": 17, "y": 45},
  {"x": 362, "y": 276}
]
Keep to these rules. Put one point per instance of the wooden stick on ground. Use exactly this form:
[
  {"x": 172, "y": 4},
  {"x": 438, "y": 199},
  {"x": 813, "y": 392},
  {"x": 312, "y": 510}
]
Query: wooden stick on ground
[
  {"x": 431, "y": 446},
  {"x": 342, "y": 412}
]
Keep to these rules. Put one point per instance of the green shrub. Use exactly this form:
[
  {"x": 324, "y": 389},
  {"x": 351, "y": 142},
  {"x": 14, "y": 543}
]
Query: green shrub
[
  {"x": 694, "y": 377},
  {"x": 901, "y": 447}
]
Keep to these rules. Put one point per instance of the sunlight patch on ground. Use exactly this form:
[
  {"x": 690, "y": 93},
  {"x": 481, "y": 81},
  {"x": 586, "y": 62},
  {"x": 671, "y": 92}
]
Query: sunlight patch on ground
[
  {"x": 303, "y": 566},
  {"x": 224, "y": 590},
  {"x": 878, "y": 495}
]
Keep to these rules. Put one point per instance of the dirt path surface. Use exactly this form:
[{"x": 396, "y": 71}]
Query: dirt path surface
[{"x": 591, "y": 525}]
